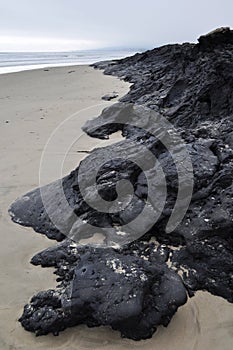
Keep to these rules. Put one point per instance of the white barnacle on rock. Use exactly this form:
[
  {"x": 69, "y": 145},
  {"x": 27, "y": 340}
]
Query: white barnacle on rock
[
  {"x": 143, "y": 277},
  {"x": 144, "y": 257},
  {"x": 74, "y": 248},
  {"x": 120, "y": 233},
  {"x": 116, "y": 265}
]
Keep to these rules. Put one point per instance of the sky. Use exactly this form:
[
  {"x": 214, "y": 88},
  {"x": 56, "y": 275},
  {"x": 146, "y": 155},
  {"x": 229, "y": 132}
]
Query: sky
[{"x": 59, "y": 25}]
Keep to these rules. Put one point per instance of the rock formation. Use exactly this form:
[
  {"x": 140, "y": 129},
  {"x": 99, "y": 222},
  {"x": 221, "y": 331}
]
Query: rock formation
[{"x": 132, "y": 283}]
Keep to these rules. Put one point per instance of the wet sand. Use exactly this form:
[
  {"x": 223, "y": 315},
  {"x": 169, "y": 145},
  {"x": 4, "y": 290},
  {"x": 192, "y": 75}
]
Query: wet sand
[{"x": 33, "y": 104}]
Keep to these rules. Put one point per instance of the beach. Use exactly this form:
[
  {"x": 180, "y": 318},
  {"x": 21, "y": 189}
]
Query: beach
[{"x": 33, "y": 104}]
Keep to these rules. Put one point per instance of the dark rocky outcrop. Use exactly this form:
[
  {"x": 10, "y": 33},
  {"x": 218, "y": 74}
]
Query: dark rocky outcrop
[
  {"x": 133, "y": 284},
  {"x": 131, "y": 290}
]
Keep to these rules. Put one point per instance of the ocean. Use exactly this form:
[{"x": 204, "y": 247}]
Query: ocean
[{"x": 20, "y": 61}]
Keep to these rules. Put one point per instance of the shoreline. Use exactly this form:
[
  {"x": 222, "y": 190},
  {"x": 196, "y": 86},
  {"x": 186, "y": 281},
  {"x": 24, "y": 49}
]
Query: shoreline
[
  {"x": 18, "y": 69},
  {"x": 35, "y": 102},
  {"x": 12, "y": 62}
]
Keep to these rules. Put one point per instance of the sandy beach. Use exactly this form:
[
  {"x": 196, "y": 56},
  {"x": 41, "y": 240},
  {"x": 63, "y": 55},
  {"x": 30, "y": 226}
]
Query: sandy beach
[{"x": 33, "y": 105}]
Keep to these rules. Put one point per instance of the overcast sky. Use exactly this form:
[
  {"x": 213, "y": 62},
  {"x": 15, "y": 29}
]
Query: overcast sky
[{"x": 83, "y": 24}]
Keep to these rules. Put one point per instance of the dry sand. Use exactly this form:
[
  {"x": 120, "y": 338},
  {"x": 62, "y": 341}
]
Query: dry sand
[{"x": 33, "y": 104}]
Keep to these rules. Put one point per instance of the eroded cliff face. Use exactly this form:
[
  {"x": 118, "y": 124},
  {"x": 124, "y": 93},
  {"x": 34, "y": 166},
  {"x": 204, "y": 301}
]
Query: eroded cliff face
[{"x": 136, "y": 285}]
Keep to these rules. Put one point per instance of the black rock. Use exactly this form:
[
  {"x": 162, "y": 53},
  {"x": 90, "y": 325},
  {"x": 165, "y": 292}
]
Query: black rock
[
  {"x": 210, "y": 266},
  {"x": 110, "y": 97},
  {"x": 220, "y": 36},
  {"x": 132, "y": 291},
  {"x": 191, "y": 86}
]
